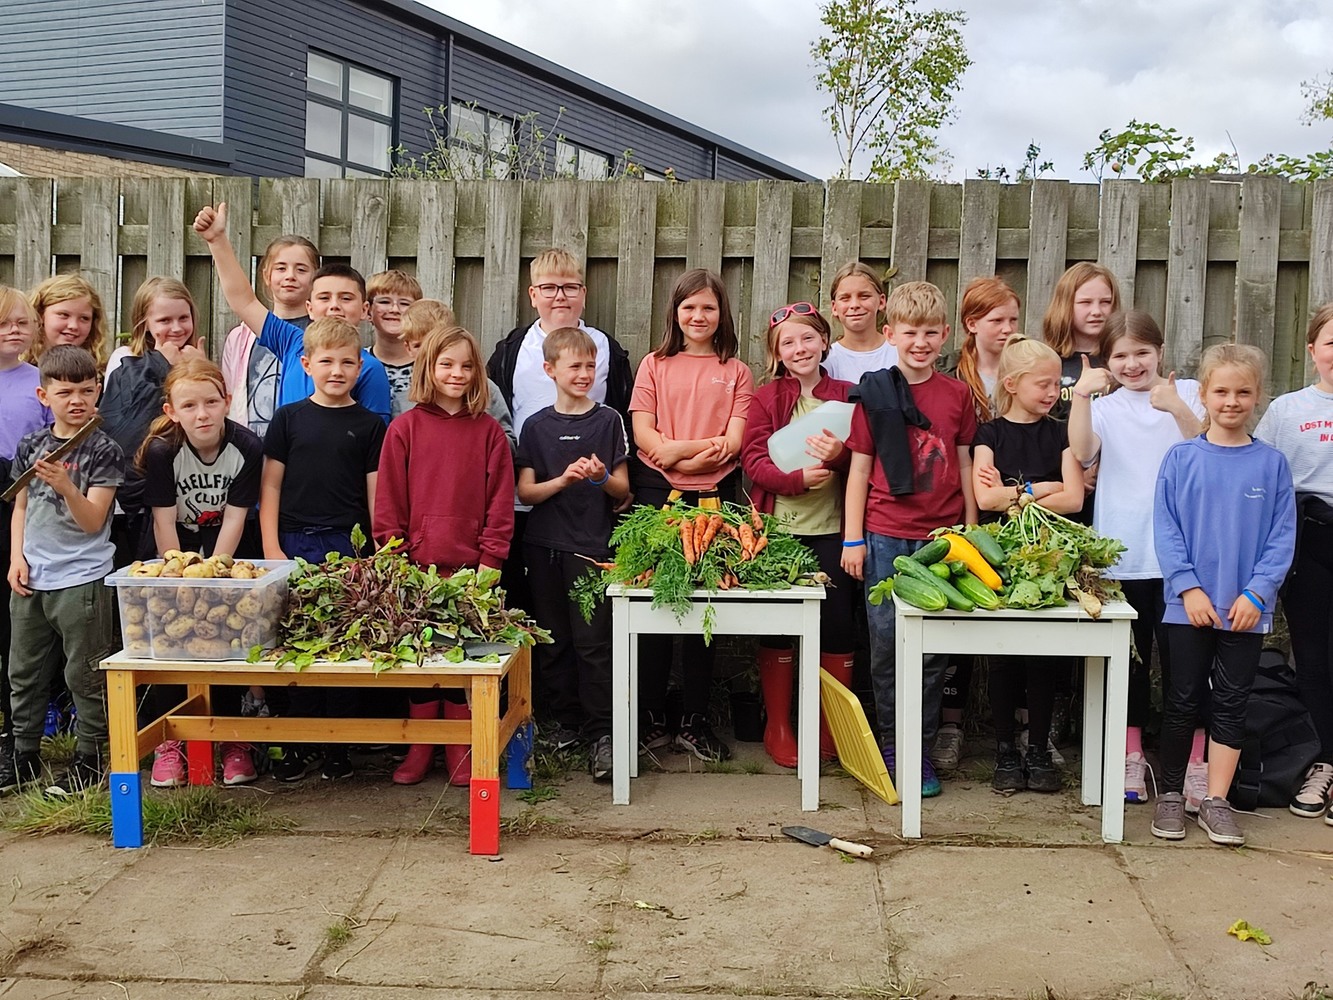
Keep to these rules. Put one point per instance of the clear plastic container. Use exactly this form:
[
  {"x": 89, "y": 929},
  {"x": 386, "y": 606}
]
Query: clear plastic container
[
  {"x": 175, "y": 618},
  {"x": 786, "y": 446}
]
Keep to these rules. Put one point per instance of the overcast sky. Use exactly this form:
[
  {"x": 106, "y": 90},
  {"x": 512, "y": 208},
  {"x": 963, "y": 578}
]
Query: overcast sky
[{"x": 1055, "y": 72}]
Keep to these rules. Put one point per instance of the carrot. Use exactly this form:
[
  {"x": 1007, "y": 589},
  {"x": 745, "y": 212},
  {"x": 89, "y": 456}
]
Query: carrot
[
  {"x": 700, "y": 530},
  {"x": 760, "y": 544},
  {"x": 687, "y": 541},
  {"x": 725, "y": 582},
  {"x": 756, "y": 519},
  {"x": 732, "y": 530},
  {"x": 747, "y": 541},
  {"x": 714, "y": 525},
  {"x": 599, "y": 565}
]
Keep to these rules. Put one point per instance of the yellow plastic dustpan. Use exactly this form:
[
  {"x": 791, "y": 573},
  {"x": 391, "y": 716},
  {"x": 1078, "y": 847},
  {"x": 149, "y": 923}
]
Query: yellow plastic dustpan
[{"x": 858, "y": 750}]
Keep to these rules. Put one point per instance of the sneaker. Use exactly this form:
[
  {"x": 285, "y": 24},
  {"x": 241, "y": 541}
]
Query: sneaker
[
  {"x": 696, "y": 736},
  {"x": 297, "y": 761},
  {"x": 559, "y": 737},
  {"x": 337, "y": 765},
  {"x": 890, "y": 761},
  {"x": 1056, "y": 756},
  {"x": 169, "y": 770},
  {"x": 1196, "y": 785},
  {"x": 653, "y": 734},
  {"x": 84, "y": 772},
  {"x": 1043, "y": 775},
  {"x": 1312, "y": 800},
  {"x": 602, "y": 759},
  {"x": 238, "y": 764},
  {"x": 948, "y": 751},
  {"x": 1328, "y": 816},
  {"x": 1136, "y": 778},
  {"x": 1009, "y": 776},
  {"x": 1217, "y": 820},
  {"x": 930, "y": 781},
  {"x": 19, "y": 770},
  {"x": 1168, "y": 816}
]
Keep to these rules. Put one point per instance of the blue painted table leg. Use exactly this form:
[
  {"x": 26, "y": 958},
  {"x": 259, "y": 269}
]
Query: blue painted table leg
[
  {"x": 517, "y": 774},
  {"x": 126, "y": 810}
]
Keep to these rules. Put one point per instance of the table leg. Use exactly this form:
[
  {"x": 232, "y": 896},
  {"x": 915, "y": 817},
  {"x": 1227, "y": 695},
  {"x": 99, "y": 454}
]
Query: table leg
[
  {"x": 1117, "y": 706},
  {"x": 633, "y": 741},
  {"x": 198, "y": 753},
  {"x": 807, "y": 713},
  {"x": 1094, "y": 709},
  {"x": 907, "y": 706},
  {"x": 622, "y": 670},
  {"x": 126, "y": 788},
  {"x": 484, "y": 809}
]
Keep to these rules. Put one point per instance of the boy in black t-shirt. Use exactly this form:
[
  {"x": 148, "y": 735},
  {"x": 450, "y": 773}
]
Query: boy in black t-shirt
[
  {"x": 321, "y": 459},
  {"x": 572, "y": 461}
]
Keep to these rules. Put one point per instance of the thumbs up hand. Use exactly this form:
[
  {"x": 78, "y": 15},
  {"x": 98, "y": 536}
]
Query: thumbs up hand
[
  {"x": 1091, "y": 381},
  {"x": 1165, "y": 396}
]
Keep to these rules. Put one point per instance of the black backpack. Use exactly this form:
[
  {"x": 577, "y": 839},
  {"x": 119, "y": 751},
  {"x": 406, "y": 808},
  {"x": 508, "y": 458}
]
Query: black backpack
[
  {"x": 130, "y": 404},
  {"x": 1280, "y": 738}
]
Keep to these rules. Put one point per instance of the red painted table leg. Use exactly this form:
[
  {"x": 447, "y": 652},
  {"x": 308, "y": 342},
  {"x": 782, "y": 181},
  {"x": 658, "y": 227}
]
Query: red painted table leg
[{"x": 485, "y": 816}]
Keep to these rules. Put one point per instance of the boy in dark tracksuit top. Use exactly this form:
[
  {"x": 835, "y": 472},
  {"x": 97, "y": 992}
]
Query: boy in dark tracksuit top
[{"x": 573, "y": 469}]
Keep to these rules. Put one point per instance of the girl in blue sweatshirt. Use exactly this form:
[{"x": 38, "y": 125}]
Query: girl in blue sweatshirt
[{"x": 1224, "y": 527}]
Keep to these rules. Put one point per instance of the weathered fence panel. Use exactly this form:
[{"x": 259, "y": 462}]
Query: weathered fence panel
[{"x": 1212, "y": 258}]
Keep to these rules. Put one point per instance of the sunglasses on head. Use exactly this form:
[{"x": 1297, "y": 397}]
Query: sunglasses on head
[{"x": 795, "y": 309}]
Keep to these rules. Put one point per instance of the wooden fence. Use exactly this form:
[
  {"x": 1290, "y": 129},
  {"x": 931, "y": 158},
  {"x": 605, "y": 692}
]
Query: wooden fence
[{"x": 1212, "y": 259}]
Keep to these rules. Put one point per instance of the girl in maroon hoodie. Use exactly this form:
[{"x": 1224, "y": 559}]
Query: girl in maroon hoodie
[
  {"x": 809, "y": 500},
  {"x": 446, "y": 488}
]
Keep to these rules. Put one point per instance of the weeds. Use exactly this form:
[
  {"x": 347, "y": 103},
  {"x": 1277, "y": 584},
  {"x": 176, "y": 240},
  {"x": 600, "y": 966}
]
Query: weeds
[
  {"x": 603, "y": 943},
  {"x": 337, "y": 934},
  {"x": 538, "y": 793},
  {"x": 753, "y": 767}
]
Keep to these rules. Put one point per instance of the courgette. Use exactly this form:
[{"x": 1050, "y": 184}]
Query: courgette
[
  {"x": 984, "y": 542},
  {"x": 918, "y": 593},
  {"x": 940, "y": 570},
  {"x": 966, "y": 553},
  {"x": 977, "y": 592},
  {"x": 956, "y": 568},
  {"x": 912, "y": 568},
  {"x": 932, "y": 552}
]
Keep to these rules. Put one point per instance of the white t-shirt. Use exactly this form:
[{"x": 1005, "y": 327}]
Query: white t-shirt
[
  {"x": 534, "y": 390},
  {"x": 1135, "y": 438},
  {"x": 1300, "y": 425},
  {"x": 113, "y": 362},
  {"x": 848, "y": 365}
]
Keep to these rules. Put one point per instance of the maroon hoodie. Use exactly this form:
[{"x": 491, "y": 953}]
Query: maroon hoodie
[
  {"x": 446, "y": 487},
  {"x": 771, "y": 410}
]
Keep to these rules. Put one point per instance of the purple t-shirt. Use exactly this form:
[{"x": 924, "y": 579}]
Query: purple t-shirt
[{"x": 20, "y": 413}]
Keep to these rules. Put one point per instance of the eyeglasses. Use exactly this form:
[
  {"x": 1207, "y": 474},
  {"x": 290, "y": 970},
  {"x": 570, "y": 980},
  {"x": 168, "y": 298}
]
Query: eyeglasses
[
  {"x": 550, "y": 291},
  {"x": 795, "y": 309},
  {"x": 387, "y": 303}
]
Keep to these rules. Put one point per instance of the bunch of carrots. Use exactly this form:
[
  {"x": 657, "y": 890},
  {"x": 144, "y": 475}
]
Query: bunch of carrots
[{"x": 698, "y": 533}]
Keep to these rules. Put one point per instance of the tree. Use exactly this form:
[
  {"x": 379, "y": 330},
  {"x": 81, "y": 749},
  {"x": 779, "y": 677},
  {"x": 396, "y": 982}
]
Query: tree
[
  {"x": 891, "y": 71},
  {"x": 1032, "y": 167}
]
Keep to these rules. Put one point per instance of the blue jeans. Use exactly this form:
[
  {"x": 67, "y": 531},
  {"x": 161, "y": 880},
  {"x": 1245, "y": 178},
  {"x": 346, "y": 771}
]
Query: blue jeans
[
  {"x": 880, "y": 553},
  {"x": 313, "y": 544}
]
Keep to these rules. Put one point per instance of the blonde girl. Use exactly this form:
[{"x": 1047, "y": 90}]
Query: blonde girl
[
  {"x": 69, "y": 311},
  {"x": 1125, "y": 417},
  {"x": 689, "y": 406},
  {"x": 287, "y": 270},
  {"x": 1024, "y": 450},
  {"x": 1297, "y": 425},
  {"x": 446, "y": 487},
  {"x": 163, "y": 319},
  {"x": 989, "y": 315},
  {"x": 1224, "y": 526},
  {"x": 809, "y": 500},
  {"x": 1084, "y": 298},
  {"x": 858, "y": 299},
  {"x": 201, "y": 483}
]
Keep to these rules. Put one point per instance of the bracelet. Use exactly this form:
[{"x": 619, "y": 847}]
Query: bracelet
[
  {"x": 1027, "y": 488},
  {"x": 1257, "y": 602},
  {"x": 854, "y": 545},
  {"x": 1084, "y": 395},
  {"x": 601, "y": 482}
]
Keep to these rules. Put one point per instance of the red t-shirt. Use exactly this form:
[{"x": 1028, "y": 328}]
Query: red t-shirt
[{"x": 938, "y": 499}]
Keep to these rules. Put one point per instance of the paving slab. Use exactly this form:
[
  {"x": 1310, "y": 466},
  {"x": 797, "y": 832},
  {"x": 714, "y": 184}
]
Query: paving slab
[
  {"x": 253, "y": 910},
  {"x": 1196, "y": 894},
  {"x": 1011, "y": 922},
  {"x": 63, "y": 989},
  {"x": 753, "y": 918},
  {"x": 528, "y": 920}
]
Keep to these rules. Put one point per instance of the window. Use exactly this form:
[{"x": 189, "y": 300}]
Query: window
[
  {"x": 575, "y": 161},
  {"x": 482, "y": 143},
  {"x": 349, "y": 122}
]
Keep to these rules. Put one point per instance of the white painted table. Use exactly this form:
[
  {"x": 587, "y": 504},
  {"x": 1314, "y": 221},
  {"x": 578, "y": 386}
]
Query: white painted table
[
  {"x": 792, "y": 612},
  {"x": 1104, "y": 645}
]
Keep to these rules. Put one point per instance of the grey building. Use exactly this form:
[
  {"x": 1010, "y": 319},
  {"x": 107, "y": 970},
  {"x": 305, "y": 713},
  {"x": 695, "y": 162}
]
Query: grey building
[{"x": 324, "y": 88}]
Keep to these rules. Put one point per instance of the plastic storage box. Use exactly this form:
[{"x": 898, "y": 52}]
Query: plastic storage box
[{"x": 188, "y": 618}]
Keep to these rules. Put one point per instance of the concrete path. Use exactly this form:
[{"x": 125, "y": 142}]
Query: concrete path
[{"x": 690, "y": 889}]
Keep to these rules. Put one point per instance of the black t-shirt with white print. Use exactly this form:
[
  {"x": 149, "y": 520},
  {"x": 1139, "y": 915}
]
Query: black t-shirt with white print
[{"x": 201, "y": 491}]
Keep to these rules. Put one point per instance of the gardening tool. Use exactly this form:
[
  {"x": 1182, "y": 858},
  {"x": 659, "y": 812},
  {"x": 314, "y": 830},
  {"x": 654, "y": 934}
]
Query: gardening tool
[
  {"x": 858, "y": 752},
  {"x": 78, "y": 438},
  {"x": 815, "y": 838}
]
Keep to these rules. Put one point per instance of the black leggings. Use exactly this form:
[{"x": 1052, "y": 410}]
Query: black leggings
[
  {"x": 1307, "y": 599},
  {"x": 1148, "y": 598},
  {"x": 1010, "y": 677},
  {"x": 837, "y": 614},
  {"x": 1199, "y": 656}
]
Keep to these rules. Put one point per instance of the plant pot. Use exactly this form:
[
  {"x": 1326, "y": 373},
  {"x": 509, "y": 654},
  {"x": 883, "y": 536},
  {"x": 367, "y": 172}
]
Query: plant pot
[{"x": 747, "y": 716}]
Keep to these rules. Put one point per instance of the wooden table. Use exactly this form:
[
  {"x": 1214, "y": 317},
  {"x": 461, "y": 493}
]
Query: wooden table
[
  {"x": 793, "y": 612},
  {"x": 1069, "y": 631},
  {"x": 193, "y": 721}
]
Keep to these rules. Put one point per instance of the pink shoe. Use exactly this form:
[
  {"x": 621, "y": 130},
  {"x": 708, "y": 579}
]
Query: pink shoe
[
  {"x": 169, "y": 765},
  {"x": 238, "y": 764}
]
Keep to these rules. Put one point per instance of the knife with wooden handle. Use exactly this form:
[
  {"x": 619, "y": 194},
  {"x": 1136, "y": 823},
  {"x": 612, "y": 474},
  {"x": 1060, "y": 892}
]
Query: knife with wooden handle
[
  {"x": 817, "y": 838},
  {"x": 55, "y": 456}
]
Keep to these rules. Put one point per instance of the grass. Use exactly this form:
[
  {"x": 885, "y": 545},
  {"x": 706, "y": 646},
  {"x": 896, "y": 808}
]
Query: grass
[
  {"x": 602, "y": 943},
  {"x": 755, "y": 766},
  {"x": 198, "y": 814},
  {"x": 1314, "y": 991},
  {"x": 337, "y": 934},
  {"x": 538, "y": 793}
]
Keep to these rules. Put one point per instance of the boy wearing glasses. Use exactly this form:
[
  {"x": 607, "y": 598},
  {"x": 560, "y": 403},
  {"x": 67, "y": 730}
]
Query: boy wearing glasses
[
  {"x": 517, "y": 366},
  {"x": 390, "y": 294}
]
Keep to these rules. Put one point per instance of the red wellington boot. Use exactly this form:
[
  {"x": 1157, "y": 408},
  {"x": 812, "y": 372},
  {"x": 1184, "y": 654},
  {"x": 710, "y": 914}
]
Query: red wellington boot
[
  {"x": 776, "y": 669},
  {"x": 458, "y": 756},
  {"x": 840, "y": 666},
  {"x": 417, "y": 764}
]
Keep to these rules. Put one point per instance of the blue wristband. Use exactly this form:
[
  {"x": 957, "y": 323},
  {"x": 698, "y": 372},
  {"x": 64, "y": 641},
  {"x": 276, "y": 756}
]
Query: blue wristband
[
  {"x": 603, "y": 481},
  {"x": 1254, "y": 600},
  {"x": 854, "y": 545},
  {"x": 1027, "y": 488}
]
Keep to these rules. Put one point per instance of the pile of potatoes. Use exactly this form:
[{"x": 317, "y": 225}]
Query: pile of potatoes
[{"x": 193, "y": 620}]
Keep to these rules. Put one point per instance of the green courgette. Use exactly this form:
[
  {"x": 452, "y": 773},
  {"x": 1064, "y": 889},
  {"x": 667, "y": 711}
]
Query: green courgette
[
  {"x": 955, "y": 600},
  {"x": 984, "y": 542},
  {"x": 977, "y": 592},
  {"x": 931, "y": 552},
  {"x": 940, "y": 570},
  {"x": 918, "y": 593}
]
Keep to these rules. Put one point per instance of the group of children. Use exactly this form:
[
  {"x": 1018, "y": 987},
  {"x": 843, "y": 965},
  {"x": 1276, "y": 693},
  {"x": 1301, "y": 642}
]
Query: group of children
[{"x": 521, "y": 466}]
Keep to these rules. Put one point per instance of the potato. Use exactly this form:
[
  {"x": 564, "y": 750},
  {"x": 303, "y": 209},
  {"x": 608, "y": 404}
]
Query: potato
[
  {"x": 134, "y": 613},
  {"x": 222, "y": 559},
  {"x": 239, "y": 572},
  {"x": 191, "y": 558},
  {"x": 199, "y": 571},
  {"x": 171, "y": 554},
  {"x": 207, "y": 649},
  {"x": 170, "y": 615},
  {"x": 216, "y": 614},
  {"x": 250, "y": 606},
  {"x": 138, "y": 647},
  {"x": 256, "y": 634},
  {"x": 236, "y": 621},
  {"x": 184, "y": 599},
  {"x": 159, "y": 603},
  {"x": 200, "y": 607},
  {"x": 179, "y": 628},
  {"x": 133, "y": 632},
  {"x": 206, "y": 630},
  {"x": 172, "y": 569}
]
